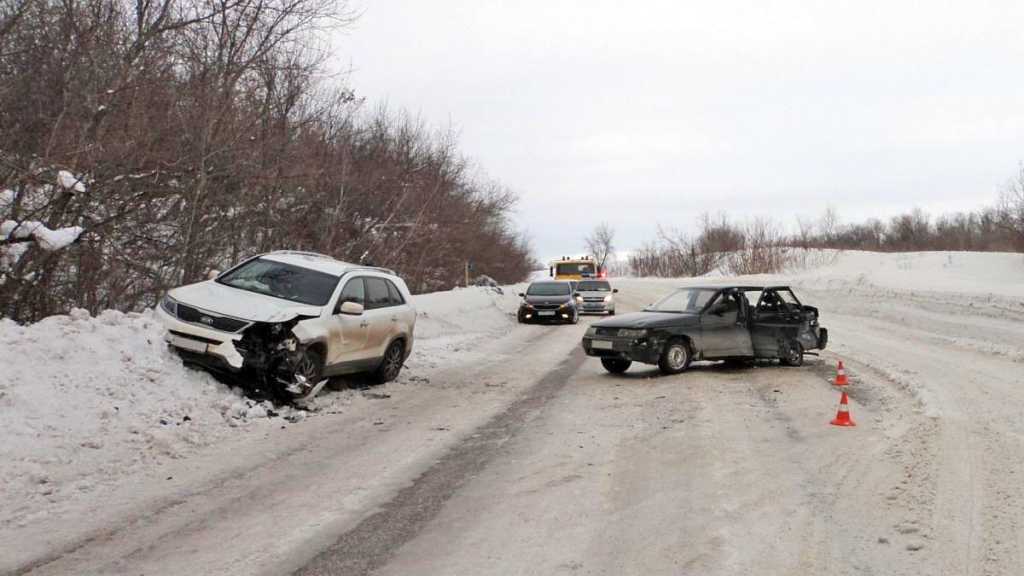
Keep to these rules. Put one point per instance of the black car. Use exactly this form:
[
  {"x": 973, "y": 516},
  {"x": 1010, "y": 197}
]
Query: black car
[
  {"x": 709, "y": 323},
  {"x": 549, "y": 302}
]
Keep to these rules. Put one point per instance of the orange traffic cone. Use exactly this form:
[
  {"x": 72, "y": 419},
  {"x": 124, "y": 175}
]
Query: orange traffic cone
[
  {"x": 843, "y": 414},
  {"x": 841, "y": 375}
]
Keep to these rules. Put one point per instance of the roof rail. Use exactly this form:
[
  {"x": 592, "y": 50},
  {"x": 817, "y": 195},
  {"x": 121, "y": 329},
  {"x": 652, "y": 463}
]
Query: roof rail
[
  {"x": 373, "y": 269},
  {"x": 303, "y": 253}
]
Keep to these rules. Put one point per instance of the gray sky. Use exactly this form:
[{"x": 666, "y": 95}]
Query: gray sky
[{"x": 639, "y": 113}]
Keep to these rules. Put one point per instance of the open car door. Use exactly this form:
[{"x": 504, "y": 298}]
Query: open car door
[{"x": 777, "y": 320}]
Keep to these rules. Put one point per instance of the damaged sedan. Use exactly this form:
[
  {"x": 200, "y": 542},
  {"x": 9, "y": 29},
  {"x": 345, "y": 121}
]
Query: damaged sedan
[
  {"x": 290, "y": 320},
  {"x": 738, "y": 323}
]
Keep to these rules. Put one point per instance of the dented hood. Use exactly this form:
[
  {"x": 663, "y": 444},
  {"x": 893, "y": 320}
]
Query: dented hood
[{"x": 220, "y": 299}]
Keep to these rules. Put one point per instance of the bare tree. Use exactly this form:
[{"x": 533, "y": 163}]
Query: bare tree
[
  {"x": 1011, "y": 208},
  {"x": 601, "y": 243}
]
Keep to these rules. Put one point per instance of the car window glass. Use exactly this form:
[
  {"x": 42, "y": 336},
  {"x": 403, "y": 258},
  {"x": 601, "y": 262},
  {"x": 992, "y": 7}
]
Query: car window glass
[
  {"x": 753, "y": 296},
  {"x": 770, "y": 302},
  {"x": 549, "y": 289},
  {"x": 684, "y": 300},
  {"x": 396, "y": 295},
  {"x": 788, "y": 297},
  {"x": 280, "y": 280},
  {"x": 701, "y": 299},
  {"x": 354, "y": 291},
  {"x": 594, "y": 286},
  {"x": 377, "y": 293}
]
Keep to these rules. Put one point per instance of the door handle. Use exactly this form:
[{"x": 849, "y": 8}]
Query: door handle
[
  {"x": 364, "y": 324},
  {"x": 394, "y": 318}
]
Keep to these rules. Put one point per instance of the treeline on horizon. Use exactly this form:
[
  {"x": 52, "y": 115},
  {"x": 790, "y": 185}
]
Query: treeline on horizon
[
  {"x": 205, "y": 131},
  {"x": 763, "y": 246}
]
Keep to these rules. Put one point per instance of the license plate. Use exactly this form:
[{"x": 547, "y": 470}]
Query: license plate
[
  {"x": 602, "y": 345},
  {"x": 187, "y": 344},
  {"x": 546, "y": 313}
]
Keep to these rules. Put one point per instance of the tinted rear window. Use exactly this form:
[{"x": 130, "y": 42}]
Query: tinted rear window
[
  {"x": 594, "y": 286},
  {"x": 377, "y": 295}
]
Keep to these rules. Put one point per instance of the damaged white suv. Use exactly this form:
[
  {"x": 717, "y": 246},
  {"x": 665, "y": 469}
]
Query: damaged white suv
[{"x": 292, "y": 319}]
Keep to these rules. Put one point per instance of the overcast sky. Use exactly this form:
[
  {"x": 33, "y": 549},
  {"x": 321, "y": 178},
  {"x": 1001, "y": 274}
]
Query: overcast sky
[{"x": 640, "y": 113}]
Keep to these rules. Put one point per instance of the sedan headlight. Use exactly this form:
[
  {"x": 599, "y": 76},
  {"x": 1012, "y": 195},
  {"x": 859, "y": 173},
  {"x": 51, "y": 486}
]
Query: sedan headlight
[
  {"x": 607, "y": 298},
  {"x": 170, "y": 305},
  {"x": 591, "y": 332},
  {"x": 630, "y": 333}
]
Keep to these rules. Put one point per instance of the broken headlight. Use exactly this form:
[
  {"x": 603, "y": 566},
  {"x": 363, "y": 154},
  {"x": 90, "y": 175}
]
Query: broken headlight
[{"x": 170, "y": 305}]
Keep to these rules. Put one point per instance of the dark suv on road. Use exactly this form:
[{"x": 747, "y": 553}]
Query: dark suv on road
[
  {"x": 549, "y": 301},
  {"x": 709, "y": 323}
]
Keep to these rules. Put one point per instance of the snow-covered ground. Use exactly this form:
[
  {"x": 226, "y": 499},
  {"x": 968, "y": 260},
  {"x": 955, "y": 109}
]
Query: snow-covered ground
[
  {"x": 711, "y": 472},
  {"x": 87, "y": 401}
]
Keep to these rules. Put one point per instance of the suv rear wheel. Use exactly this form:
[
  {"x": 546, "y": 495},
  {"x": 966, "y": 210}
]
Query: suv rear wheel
[{"x": 391, "y": 365}]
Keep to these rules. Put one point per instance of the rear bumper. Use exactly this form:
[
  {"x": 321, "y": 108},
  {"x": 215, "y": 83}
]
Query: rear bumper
[
  {"x": 644, "y": 350},
  {"x": 197, "y": 342}
]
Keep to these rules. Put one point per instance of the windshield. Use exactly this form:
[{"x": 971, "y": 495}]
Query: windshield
[
  {"x": 684, "y": 300},
  {"x": 594, "y": 286},
  {"x": 284, "y": 281},
  {"x": 575, "y": 268},
  {"x": 548, "y": 289}
]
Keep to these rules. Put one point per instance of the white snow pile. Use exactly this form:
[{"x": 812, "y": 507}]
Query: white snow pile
[
  {"x": 450, "y": 324},
  {"x": 86, "y": 401},
  {"x": 69, "y": 181}
]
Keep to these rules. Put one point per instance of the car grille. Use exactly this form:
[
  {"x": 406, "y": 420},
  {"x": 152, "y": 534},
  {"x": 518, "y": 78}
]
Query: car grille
[
  {"x": 222, "y": 323},
  {"x": 597, "y": 300},
  {"x": 547, "y": 306}
]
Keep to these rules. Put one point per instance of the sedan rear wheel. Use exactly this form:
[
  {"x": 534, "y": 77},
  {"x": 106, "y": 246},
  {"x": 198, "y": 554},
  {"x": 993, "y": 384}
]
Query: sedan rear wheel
[
  {"x": 793, "y": 355},
  {"x": 675, "y": 358}
]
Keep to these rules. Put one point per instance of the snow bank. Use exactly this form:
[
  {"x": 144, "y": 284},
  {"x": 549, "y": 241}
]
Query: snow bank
[
  {"x": 87, "y": 401},
  {"x": 996, "y": 273}
]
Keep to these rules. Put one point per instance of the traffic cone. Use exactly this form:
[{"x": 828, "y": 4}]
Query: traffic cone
[
  {"x": 841, "y": 375},
  {"x": 843, "y": 414}
]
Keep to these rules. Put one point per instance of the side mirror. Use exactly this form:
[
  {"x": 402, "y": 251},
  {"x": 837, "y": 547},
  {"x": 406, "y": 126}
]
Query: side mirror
[
  {"x": 352, "y": 309},
  {"x": 212, "y": 274},
  {"x": 522, "y": 295},
  {"x": 615, "y": 291}
]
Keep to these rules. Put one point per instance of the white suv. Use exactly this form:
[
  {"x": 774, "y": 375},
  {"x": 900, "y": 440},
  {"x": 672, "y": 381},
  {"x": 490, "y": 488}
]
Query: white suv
[{"x": 292, "y": 319}]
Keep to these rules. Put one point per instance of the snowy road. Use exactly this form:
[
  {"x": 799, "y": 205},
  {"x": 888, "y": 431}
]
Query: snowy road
[{"x": 526, "y": 458}]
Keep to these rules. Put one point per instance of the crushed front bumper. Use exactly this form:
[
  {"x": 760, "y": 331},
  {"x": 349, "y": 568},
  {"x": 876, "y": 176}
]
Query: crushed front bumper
[
  {"x": 197, "y": 341},
  {"x": 645, "y": 350}
]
